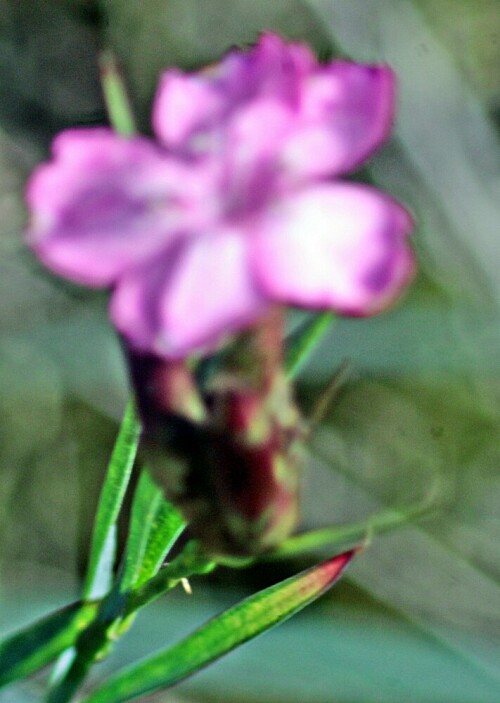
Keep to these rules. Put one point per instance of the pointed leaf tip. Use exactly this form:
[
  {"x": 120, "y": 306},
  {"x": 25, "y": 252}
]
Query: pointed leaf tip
[
  {"x": 223, "y": 633},
  {"x": 324, "y": 575}
]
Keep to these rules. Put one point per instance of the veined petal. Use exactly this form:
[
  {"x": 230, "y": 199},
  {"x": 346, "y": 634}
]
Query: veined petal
[
  {"x": 339, "y": 246},
  {"x": 105, "y": 203},
  {"x": 345, "y": 114},
  {"x": 210, "y": 294}
]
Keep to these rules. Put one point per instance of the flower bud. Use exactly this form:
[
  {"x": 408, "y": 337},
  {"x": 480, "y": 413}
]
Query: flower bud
[{"x": 230, "y": 460}]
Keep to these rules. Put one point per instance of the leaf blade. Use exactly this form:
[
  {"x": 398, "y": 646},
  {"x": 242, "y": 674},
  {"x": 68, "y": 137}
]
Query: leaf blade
[
  {"x": 37, "y": 645},
  {"x": 220, "y": 635},
  {"x": 167, "y": 525},
  {"x": 301, "y": 344},
  {"x": 146, "y": 502},
  {"x": 99, "y": 571}
]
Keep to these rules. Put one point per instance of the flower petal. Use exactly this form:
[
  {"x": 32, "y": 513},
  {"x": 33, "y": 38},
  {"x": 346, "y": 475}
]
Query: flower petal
[
  {"x": 184, "y": 104},
  {"x": 271, "y": 68},
  {"x": 250, "y": 154},
  {"x": 105, "y": 203},
  {"x": 210, "y": 294},
  {"x": 189, "y": 299},
  {"x": 189, "y": 109},
  {"x": 346, "y": 113},
  {"x": 135, "y": 299},
  {"x": 341, "y": 246}
]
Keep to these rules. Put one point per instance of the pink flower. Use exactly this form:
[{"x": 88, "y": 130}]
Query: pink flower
[{"x": 237, "y": 205}]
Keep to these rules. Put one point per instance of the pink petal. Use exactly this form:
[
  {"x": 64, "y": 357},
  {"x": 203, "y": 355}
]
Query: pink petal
[
  {"x": 251, "y": 153},
  {"x": 211, "y": 294},
  {"x": 346, "y": 113},
  {"x": 339, "y": 246},
  {"x": 183, "y": 105},
  {"x": 189, "y": 109},
  {"x": 104, "y": 203},
  {"x": 271, "y": 68},
  {"x": 136, "y": 297},
  {"x": 191, "y": 299}
]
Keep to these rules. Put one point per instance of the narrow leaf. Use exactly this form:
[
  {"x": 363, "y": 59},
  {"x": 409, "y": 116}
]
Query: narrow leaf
[
  {"x": 302, "y": 343},
  {"x": 192, "y": 560},
  {"x": 115, "y": 96},
  {"x": 38, "y": 644},
  {"x": 146, "y": 504},
  {"x": 340, "y": 536},
  {"x": 99, "y": 572},
  {"x": 230, "y": 629},
  {"x": 154, "y": 526},
  {"x": 166, "y": 527}
]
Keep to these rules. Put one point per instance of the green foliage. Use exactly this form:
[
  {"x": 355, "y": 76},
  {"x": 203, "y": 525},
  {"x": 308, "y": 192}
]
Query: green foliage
[
  {"x": 302, "y": 343},
  {"x": 222, "y": 634},
  {"x": 101, "y": 560},
  {"x": 39, "y": 644},
  {"x": 110, "y": 605},
  {"x": 147, "y": 501},
  {"x": 165, "y": 527},
  {"x": 92, "y": 627}
]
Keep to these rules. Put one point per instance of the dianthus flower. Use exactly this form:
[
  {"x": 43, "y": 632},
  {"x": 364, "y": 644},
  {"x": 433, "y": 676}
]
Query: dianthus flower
[{"x": 235, "y": 206}]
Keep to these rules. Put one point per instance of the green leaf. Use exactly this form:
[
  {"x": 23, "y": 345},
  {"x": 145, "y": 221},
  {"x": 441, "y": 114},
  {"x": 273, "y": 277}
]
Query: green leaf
[
  {"x": 40, "y": 643},
  {"x": 100, "y": 568},
  {"x": 153, "y": 528},
  {"x": 302, "y": 343},
  {"x": 340, "y": 536},
  {"x": 147, "y": 502},
  {"x": 166, "y": 527},
  {"x": 232, "y": 628},
  {"x": 192, "y": 560},
  {"x": 116, "y": 97}
]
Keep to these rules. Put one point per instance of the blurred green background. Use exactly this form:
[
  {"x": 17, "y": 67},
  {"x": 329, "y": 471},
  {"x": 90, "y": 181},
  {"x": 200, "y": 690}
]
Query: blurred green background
[{"x": 417, "y": 618}]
